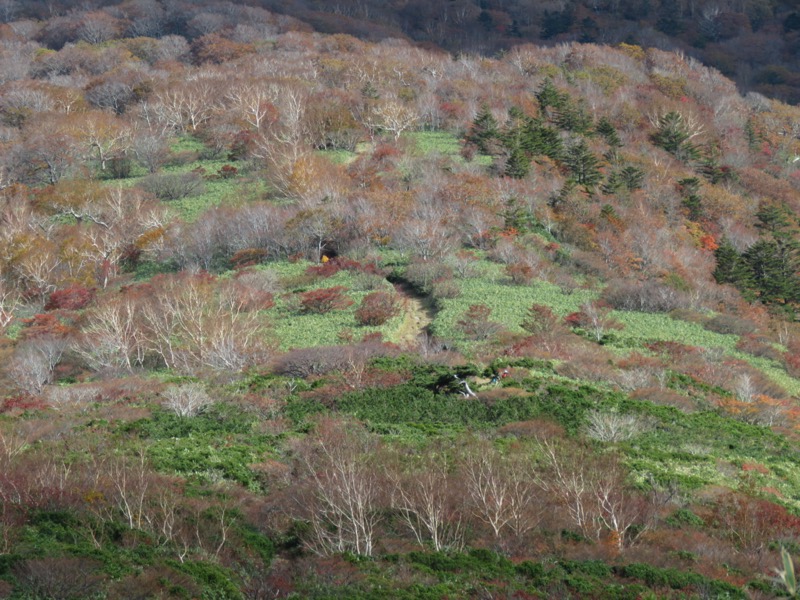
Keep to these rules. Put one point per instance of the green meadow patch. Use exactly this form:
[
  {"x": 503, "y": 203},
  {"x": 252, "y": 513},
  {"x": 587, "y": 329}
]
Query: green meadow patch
[
  {"x": 442, "y": 143},
  {"x": 296, "y": 329},
  {"x": 509, "y": 303}
]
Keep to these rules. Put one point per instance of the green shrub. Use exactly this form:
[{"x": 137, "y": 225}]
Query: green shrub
[
  {"x": 218, "y": 583},
  {"x": 684, "y": 516},
  {"x": 477, "y": 561},
  {"x": 675, "y": 579}
]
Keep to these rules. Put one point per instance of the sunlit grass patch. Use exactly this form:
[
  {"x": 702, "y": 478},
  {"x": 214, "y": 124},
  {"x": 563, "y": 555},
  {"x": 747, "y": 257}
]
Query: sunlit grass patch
[
  {"x": 442, "y": 143},
  {"x": 296, "y": 329},
  {"x": 509, "y": 303}
]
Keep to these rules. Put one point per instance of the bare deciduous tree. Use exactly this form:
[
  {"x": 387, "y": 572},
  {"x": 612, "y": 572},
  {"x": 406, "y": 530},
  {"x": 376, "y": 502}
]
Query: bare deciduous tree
[
  {"x": 34, "y": 361},
  {"x": 611, "y": 426},
  {"x": 112, "y": 336},
  {"x": 430, "y": 501},
  {"x": 343, "y": 489},
  {"x": 9, "y": 302},
  {"x": 186, "y": 400},
  {"x": 502, "y": 489}
]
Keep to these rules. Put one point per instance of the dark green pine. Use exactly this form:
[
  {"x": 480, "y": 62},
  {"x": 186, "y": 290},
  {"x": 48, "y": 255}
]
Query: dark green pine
[
  {"x": 769, "y": 274},
  {"x": 539, "y": 139},
  {"x": 730, "y": 267},
  {"x": 484, "y": 132},
  {"x": 583, "y": 165},
  {"x": 518, "y": 164}
]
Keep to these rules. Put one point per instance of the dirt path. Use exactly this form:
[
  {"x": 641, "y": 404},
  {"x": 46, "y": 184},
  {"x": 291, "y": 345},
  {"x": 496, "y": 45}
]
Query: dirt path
[{"x": 417, "y": 315}]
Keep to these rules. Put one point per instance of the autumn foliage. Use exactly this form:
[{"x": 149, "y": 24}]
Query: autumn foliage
[
  {"x": 324, "y": 300},
  {"x": 376, "y": 308}
]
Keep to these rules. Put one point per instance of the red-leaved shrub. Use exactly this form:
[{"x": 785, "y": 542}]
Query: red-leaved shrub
[
  {"x": 324, "y": 300},
  {"x": 377, "y": 308},
  {"x": 71, "y": 298}
]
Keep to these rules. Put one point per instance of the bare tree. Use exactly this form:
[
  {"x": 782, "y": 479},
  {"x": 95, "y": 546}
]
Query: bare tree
[
  {"x": 9, "y": 302},
  {"x": 112, "y": 337},
  {"x": 389, "y": 115},
  {"x": 596, "y": 494},
  {"x": 130, "y": 482},
  {"x": 186, "y": 400},
  {"x": 286, "y": 139},
  {"x": 611, "y": 426},
  {"x": 253, "y": 102},
  {"x": 745, "y": 388},
  {"x": 34, "y": 361},
  {"x": 343, "y": 488},
  {"x": 191, "y": 327},
  {"x": 429, "y": 500},
  {"x": 624, "y": 513},
  {"x": 150, "y": 149},
  {"x": 502, "y": 488},
  {"x": 571, "y": 481}
]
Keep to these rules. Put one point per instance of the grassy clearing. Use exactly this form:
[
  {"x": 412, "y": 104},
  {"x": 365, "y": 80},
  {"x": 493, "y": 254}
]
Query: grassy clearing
[
  {"x": 294, "y": 329},
  {"x": 509, "y": 303},
  {"x": 423, "y": 143},
  {"x": 216, "y": 190},
  {"x": 442, "y": 143},
  {"x": 643, "y": 328}
]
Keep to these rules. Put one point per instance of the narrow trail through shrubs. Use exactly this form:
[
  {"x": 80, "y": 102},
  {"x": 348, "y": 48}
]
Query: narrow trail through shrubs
[{"x": 418, "y": 313}]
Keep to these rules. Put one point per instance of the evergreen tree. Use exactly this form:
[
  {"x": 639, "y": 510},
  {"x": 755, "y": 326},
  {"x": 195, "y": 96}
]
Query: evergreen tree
[
  {"x": 775, "y": 268},
  {"x": 484, "y": 132},
  {"x": 770, "y": 274},
  {"x": 516, "y": 215},
  {"x": 711, "y": 168},
  {"x": 609, "y": 133},
  {"x": 767, "y": 270},
  {"x": 730, "y": 267},
  {"x": 539, "y": 139},
  {"x": 774, "y": 219},
  {"x": 550, "y": 99},
  {"x": 556, "y": 22},
  {"x": 632, "y": 178},
  {"x": 514, "y": 130},
  {"x": 518, "y": 164},
  {"x": 753, "y": 138},
  {"x": 674, "y": 136},
  {"x": 691, "y": 199},
  {"x": 627, "y": 179},
  {"x": 583, "y": 165},
  {"x": 573, "y": 117}
]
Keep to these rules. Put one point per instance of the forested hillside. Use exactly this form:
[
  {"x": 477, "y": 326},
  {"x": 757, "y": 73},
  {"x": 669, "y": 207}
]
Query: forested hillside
[
  {"x": 754, "y": 42},
  {"x": 292, "y": 314}
]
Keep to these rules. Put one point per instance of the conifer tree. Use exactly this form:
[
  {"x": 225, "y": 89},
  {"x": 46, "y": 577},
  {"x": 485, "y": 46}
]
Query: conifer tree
[
  {"x": 609, "y": 133},
  {"x": 518, "y": 164},
  {"x": 674, "y": 134},
  {"x": 583, "y": 165},
  {"x": 769, "y": 273},
  {"x": 692, "y": 201},
  {"x": 539, "y": 139},
  {"x": 550, "y": 98},
  {"x": 484, "y": 132},
  {"x": 515, "y": 215},
  {"x": 628, "y": 179},
  {"x": 730, "y": 267},
  {"x": 574, "y": 118},
  {"x": 513, "y": 132}
]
